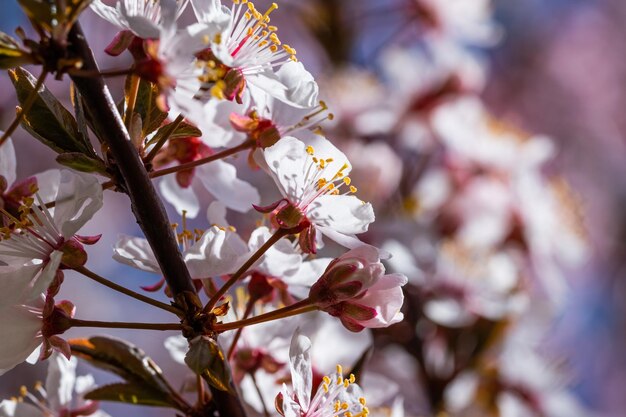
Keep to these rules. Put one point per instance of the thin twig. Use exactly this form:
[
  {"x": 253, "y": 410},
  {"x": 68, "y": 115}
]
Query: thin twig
[
  {"x": 125, "y": 325},
  {"x": 92, "y": 275},
  {"x": 220, "y": 155},
  {"x": 300, "y": 307}
]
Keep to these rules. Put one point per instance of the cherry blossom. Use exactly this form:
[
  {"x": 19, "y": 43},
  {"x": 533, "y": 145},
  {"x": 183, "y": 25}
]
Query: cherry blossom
[
  {"x": 311, "y": 177},
  {"x": 336, "y": 396},
  {"x": 354, "y": 288},
  {"x": 61, "y": 395}
]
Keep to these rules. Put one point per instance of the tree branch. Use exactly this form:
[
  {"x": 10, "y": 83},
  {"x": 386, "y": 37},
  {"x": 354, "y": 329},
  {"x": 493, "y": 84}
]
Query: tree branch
[{"x": 146, "y": 204}]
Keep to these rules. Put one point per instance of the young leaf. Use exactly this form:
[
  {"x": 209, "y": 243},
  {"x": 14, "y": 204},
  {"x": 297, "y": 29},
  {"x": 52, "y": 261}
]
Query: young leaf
[
  {"x": 81, "y": 162},
  {"x": 184, "y": 130},
  {"x": 48, "y": 121},
  {"x": 11, "y": 55},
  {"x": 81, "y": 118},
  {"x": 123, "y": 359},
  {"x": 205, "y": 358},
  {"x": 146, "y": 106},
  {"x": 132, "y": 394}
]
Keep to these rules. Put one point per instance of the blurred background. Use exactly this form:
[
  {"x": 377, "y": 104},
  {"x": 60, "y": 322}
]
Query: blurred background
[{"x": 559, "y": 68}]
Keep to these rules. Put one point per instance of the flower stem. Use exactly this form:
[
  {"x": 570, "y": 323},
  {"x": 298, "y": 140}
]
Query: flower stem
[
  {"x": 300, "y": 307},
  {"x": 215, "y": 157},
  {"x": 30, "y": 100},
  {"x": 92, "y": 275},
  {"x": 171, "y": 128},
  {"x": 220, "y": 155},
  {"x": 125, "y": 325},
  {"x": 231, "y": 350},
  {"x": 235, "y": 277}
]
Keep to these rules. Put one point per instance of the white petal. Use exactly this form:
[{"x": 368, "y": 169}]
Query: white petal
[
  {"x": 218, "y": 252},
  {"x": 300, "y": 282},
  {"x": 8, "y": 162},
  {"x": 108, "y": 13},
  {"x": 60, "y": 381},
  {"x": 287, "y": 161},
  {"x": 212, "y": 12},
  {"x": 15, "y": 281},
  {"x": 135, "y": 252},
  {"x": 48, "y": 183},
  {"x": 183, "y": 199},
  {"x": 45, "y": 278},
  {"x": 78, "y": 199},
  {"x": 343, "y": 213},
  {"x": 177, "y": 346},
  {"x": 20, "y": 336},
  {"x": 302, "y": 90},
  {"x": 282, "y": 258},
  {"x": 301, "y": 370},
  {"x": 387, "y": 304},
  {"x": 220, "y": 179},
  {"x": 140, "y": 25},
  {"x": 10, "y": 408},
  {"x": 216, "y": 214}
]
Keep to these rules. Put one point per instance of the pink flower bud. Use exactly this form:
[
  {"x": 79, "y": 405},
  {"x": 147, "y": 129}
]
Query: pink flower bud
[{"x": 355, "y": 288}]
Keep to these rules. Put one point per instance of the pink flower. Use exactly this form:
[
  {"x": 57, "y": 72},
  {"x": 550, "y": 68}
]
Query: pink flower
[{"x": 356, "y": 289}]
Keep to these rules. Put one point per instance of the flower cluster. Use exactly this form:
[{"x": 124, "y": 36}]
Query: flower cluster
[{"x": 428, "y": 305}]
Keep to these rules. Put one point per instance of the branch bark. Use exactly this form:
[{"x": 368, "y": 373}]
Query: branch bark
[{"x": 146, "y": 204}]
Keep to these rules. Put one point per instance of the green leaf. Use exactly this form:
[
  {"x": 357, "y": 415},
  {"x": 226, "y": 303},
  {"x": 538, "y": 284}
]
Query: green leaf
[
  {"x": 123, "y": 359},
  {"x": 81, "y": 118},
  {"x": 50, "y": 17},
  {"x": 11, "y": 55},
  {"x": 81, "y": 162},
  {"x": 205, "y": 358},
  {"x": 146, "y": 105},
  {"x": 47, "y": 120},
  {"x": 131, "y": 394},
  {"x": 184, "y": 130}
]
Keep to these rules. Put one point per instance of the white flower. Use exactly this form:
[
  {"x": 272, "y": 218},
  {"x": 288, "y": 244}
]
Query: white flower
[
  {"x": 56, "y": 398},
  {"x": 248, "y": 51},
  {"x": 34, "y": 252},
  {"x": 219, "y": 178},
  {"x": 267, "y": 119},
  {"x": 217, "y": 252},
  {"x": 311, "y": 177},
  {"x": 336, "y": 396},
  {"x": 142, "y": 17}
]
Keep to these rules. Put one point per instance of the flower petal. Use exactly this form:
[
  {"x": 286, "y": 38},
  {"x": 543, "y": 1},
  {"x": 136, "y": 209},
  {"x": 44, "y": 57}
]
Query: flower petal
[
  {"x": 343, "y": 213},
  {"x": 20, "y": 330},
  {"x": 135, "y": 252},
  {"x": 183, "y": 199},
  {"x": 220, "y": 179},
  {"x": 8, "y": 162},
  {"x": 60, "y": 381},
  {"x": 11, "y": 408},
  {"x": 301, "y": 370},
  {"x": 79, "y": 198},
  {"x": 218, "y": 252}
]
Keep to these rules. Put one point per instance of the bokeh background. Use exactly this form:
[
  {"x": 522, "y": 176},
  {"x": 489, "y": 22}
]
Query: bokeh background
[{"x": 560, "y": 69}]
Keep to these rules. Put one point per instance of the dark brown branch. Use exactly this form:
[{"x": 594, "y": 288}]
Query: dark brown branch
[{"x": 146, "y": 205}]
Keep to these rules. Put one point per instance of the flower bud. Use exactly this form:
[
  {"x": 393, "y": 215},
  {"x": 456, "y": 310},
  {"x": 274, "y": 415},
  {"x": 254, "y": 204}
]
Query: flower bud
[
  {"x": 355, "y": 289},
  {"x": 348, "y": 276}
]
